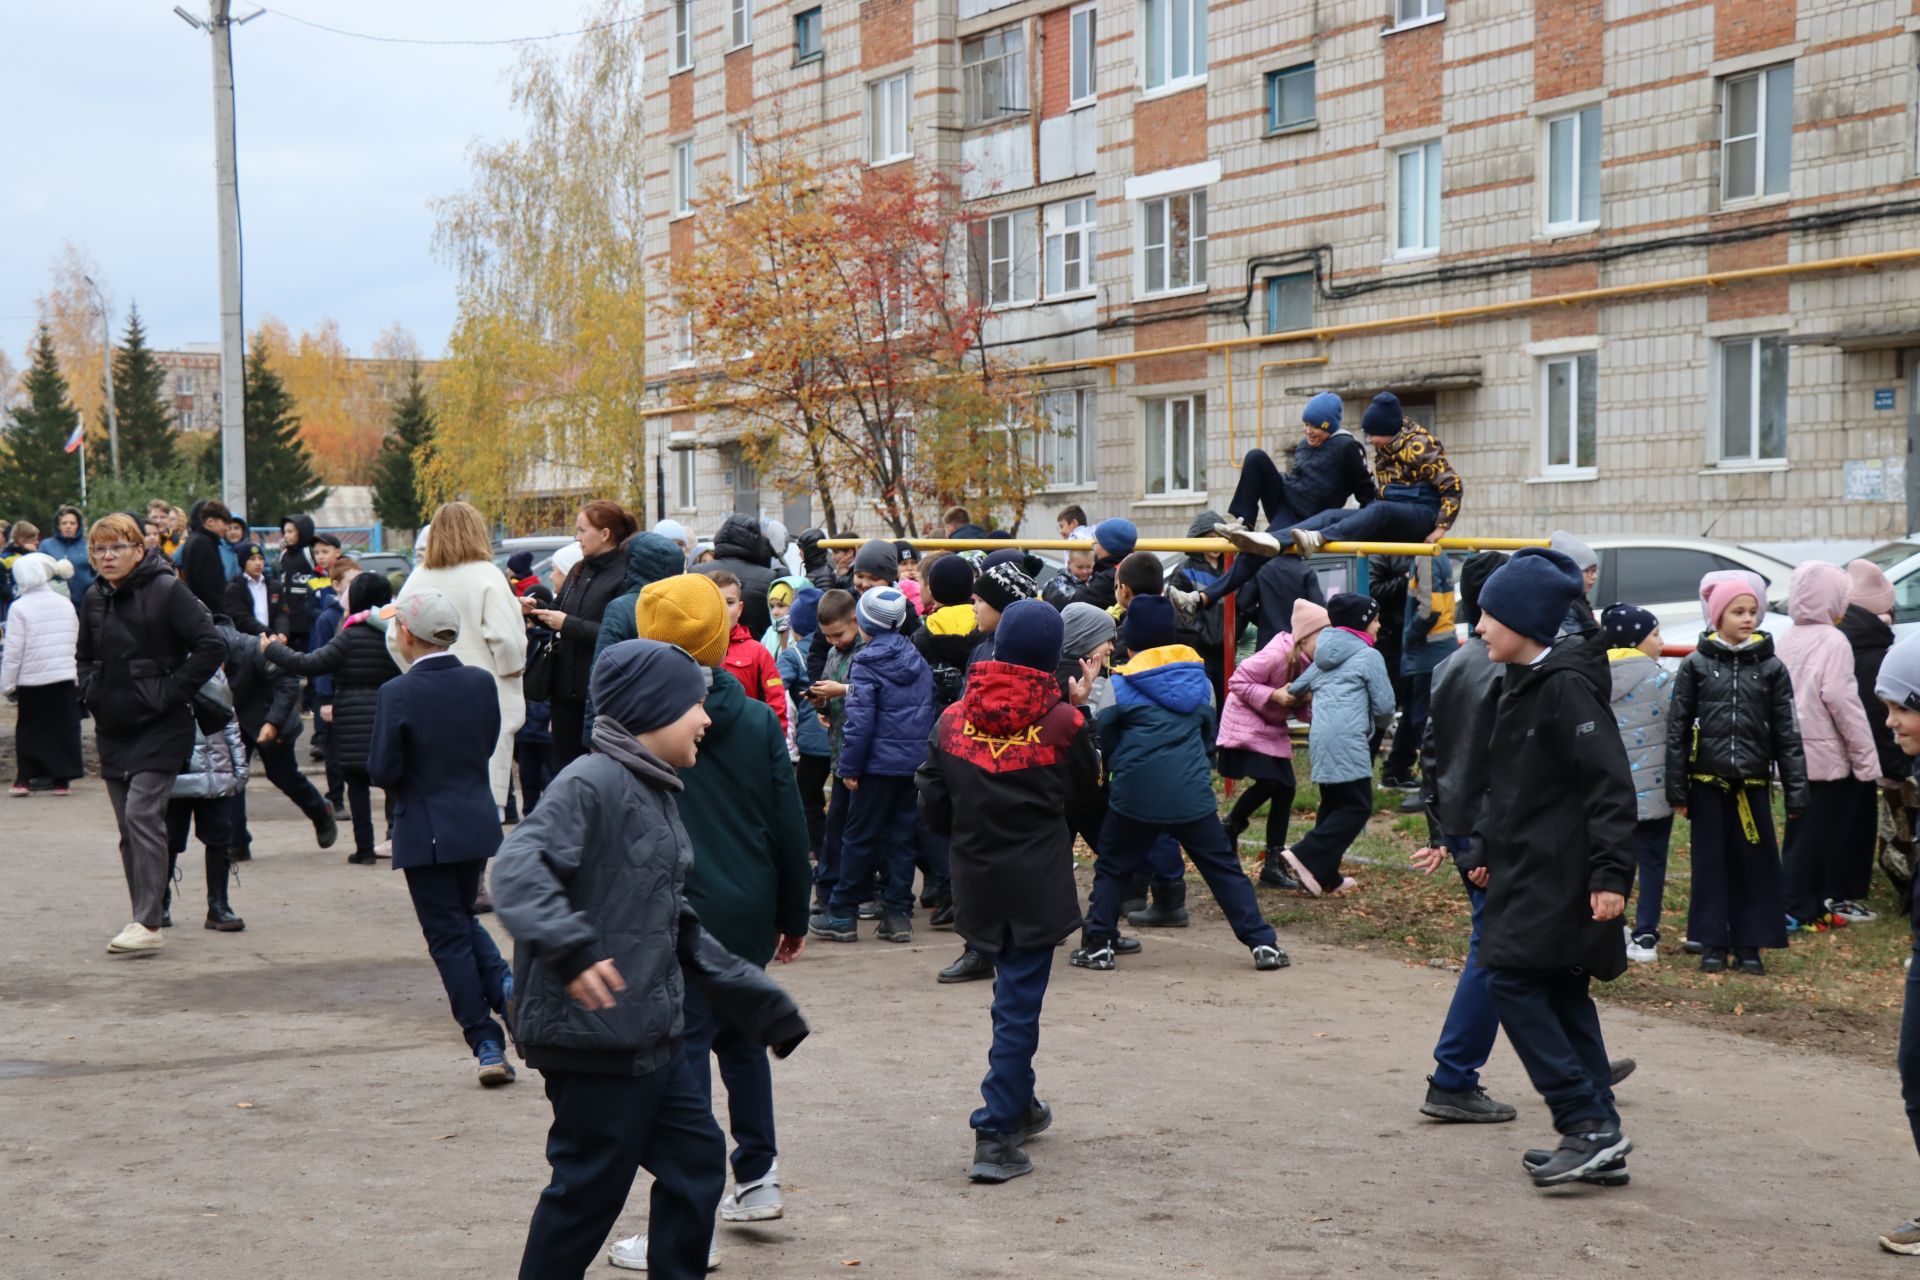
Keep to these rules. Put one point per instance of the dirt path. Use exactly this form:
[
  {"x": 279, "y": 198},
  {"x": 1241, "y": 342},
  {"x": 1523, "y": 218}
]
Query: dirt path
[{"x": 1211, "y": 1120}]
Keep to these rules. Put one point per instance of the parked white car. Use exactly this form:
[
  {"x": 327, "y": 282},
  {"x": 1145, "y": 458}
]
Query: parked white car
[{"x": 1662, "y": 575}]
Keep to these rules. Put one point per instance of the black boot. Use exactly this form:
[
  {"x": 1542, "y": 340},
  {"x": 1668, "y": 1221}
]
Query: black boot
[
  {"x": 1276, "y": 874},
  {"x": 220, "y": 917},
  {"x": 1137, "y": 889},
  {"x": 325, "y": 829},
  {"x": 1169, "y": 909}
]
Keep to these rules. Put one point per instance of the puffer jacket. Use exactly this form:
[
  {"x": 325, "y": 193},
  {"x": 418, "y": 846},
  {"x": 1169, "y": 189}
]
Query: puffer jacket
[
  {"x": 1154, "y": 737},
  {"x": 1642, "y": 692},
  {"x": 947, "y": 639},
  {"x": 359, "y": 663},
  {"x": 1455, "y": 767},
  {"x": 1732, "y": 717},
  {"x": 743, "y": 550},
  {"x": 650, "y": 558},
  {"x": 1250, "y": 720},
  {"x": 42, "y": 630},
  {"x": 1871, "y": 638},
  {"x": 218, "y": 765},
  {"x": 1352, "y": 696},
  {"x": 809, "y": 735},
  {"x": 1833, "y": 726},
  {"x": 889, "y": 710},
  {"x": 1427, "y": 636}
]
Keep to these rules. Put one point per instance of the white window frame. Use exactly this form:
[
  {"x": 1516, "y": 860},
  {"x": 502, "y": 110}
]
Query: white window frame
[
  {"x": 1164, "y": 71},
  {"x": 1416, "y": 13},
  {"x": 1083, "y": 56},
  {"x": 1071, "y": 235},
  {"x": 740, "y": 161},
  {"x": 680, "y": 47},
  {"x": 1764, "y": 82},
  {"x": 741, "y": 15},
  {"x": 889, "y": 119},
  {"x": 683, "y": 354},
  {"x": 1155, "y": 283},
  {"x": 1425, "y": 242},
  {"x": 1756, "y": 343},
  {"x": 1066, "y": 452},
  {"x": 1195, "y": 404},
  {"x": 1010, "y": 240},
  {"x": 686, "y": 478},
  {"x": 1585, "y": 168},
  {"x": 1583, "y": 371},
  {"x": 982, "y": 71},
  {"x": 680, "y": 176}
]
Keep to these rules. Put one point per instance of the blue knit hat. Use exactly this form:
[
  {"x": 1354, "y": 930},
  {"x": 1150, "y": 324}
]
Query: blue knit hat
[
  {"x": 1532, "y": 592},
  {"x": 1149, "y": 623},
  {"x": 1029, "y": 635},
  {"x": 1116, "y": 536},
  {"x": 804, "y": 616},
  {"x": 644, "y": 684},
  {"x": 881, "y": 609},
  {"x": 1323, "y": 411},
  {"x": 1383, "y": 416}
]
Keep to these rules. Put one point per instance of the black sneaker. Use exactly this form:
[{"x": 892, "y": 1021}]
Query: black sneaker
[
  {"x": 1691, "y": 947},
  {"x": 1038, "y": 1120},
  {"x": 1750, "y": 962},
  {"x": 943, "y": 918},
  {"x": 871, "y": 910},
  {"x": 997, "y": 1157},
  {"x": 1126, "y": 946},
  {"x": 1095, "y": 955},
  {"x": 1472, "y": 1106},
  {"x": 1621, "y": 1068},
  {"x": 970, "y": 967},
  {"x": 325, "y": 830},
  {"x": 834, "y": 928},
  {"x": 1398, "y": 784},
  {"x": 1579, "y": 1154},
  {"x": 1275, "y": 875},
  {"x": 1611, "y": 1174},
  {"x": 1714, "y": 961},
  {"x": 362, "y": 859},
  {"x": 1267, "y": 957},
  {"x": 895, "y": 928}
]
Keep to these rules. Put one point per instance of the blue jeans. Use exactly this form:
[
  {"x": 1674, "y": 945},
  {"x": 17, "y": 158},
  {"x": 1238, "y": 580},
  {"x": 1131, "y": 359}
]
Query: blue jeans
[
  {"x": 470, "y": 966},
  {"x": 1555, "y": 1032},
  {"x": 1467, "y": 1036},
  {"x": 881, "y": 834},
  {"x": 1019, "y": 986},
  {"x": 1123, "y": 854},
  {"x": 1650, "y": 841},
  {"x": 749, "y": 1081},
  {"x": 1385, "y": 520}
]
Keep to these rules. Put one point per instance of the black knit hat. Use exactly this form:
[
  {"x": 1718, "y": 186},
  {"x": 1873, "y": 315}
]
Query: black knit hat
[
  {"x": 1473, "y": 575},
  {"x": 1001, "y": 585},
  {"x": 1352, "y": 610}
]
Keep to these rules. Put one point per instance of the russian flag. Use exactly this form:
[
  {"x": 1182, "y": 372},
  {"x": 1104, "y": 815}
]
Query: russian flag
[{"x": 78, "y": 437}]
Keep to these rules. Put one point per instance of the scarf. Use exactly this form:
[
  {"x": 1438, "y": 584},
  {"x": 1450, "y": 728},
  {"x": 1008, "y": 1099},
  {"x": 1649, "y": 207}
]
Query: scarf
[{"x": 611, "y": 739}]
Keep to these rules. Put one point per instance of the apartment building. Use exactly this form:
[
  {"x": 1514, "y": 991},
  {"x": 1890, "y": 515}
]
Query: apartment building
[{"x": 1169, "y": 174}]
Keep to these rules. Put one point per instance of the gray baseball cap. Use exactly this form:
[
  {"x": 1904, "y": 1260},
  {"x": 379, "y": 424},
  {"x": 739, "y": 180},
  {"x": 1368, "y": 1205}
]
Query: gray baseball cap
[{"x": 430, "y": 616}]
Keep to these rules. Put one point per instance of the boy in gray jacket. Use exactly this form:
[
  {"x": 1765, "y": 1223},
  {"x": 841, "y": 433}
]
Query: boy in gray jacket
[{"x": 1642, "y": 690}]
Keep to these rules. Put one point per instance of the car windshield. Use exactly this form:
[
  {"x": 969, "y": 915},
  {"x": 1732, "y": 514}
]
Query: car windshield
[{"x": 1892, "y": 554}]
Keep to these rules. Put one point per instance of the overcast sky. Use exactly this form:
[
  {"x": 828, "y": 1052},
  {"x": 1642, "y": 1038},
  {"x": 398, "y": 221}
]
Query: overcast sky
[{"x": 342, "y": 144}]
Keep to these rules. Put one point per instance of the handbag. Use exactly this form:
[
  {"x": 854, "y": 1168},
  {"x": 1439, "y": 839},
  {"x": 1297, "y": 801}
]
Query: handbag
[
  {"x": 213, "y": 704},
  {"x": 536, "y": 680}
]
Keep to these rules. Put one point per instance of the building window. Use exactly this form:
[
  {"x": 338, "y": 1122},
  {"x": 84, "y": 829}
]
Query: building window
[
  {"x": 1173, "y": 242},
  {"x": 1069, "y": 246},
  {"x": 1753, "y": 400},
  {"x": 1290, "y": 302},
  {"x": 739, "y": 161},
  {"x": 1416, "y": 201},
  {"x": 1084, "y": 33},
  {"x": 682, "y": 35},
  {"x": 1567, "y": 396},
  {"x": 806, "y": 34},
  {"x": 682, "y": 178},
  {"x": 1756, "y": 133},
  {"x": 682, "y": 341},
  {"x": 1176, "y": 444},
  {"x": 742, "y": 22},
  {"x": 685, "y": 465},
  {"x": 1173, "y": 42},
  {"x": 1405, "y": 11},
  {"x": 1290, "y": 97},
  {"x": 1573, "y": 170},
  {"x": 993, "y": 71},
  {"x": 887, "y": 105},
  {"x": 1003, "y": 250},
  {"x": 1065, "y": 452}
]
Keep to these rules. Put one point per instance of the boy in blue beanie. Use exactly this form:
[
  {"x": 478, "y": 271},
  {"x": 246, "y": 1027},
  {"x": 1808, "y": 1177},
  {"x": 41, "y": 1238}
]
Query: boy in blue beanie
[
  {"x": 1559, "y": 856},
  {"x": 1113, "y": 541},
  {"x": 1154, "y": 737}
]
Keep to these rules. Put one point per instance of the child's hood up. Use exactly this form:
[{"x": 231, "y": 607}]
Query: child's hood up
[
  {"x": 1817, "y": 593},
  {"x": 1171, "y": 676},
  {"x": 1337, "y": 646}
]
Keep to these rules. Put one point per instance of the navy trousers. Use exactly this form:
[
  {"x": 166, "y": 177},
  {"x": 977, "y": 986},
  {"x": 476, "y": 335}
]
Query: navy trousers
[
  {"x": 1736, "y": 899},
  {"x": 1816, "y": 849},
  {"x": 282, "y": 767},
  {"x": 470, "y": 966},
  {"x": 826, "y": 867},
  {"x": 606, "y": 1129},
  {"x": 1467, "y": 1036},
  {"x": 1385, "y": 520},
  {"x": 1555, "y": 1031},
  {"x": 1019, "y": 986},
  {"x": 1650, "y": 840},
  {"x": 1413, "y": 723},
  {"x": 1344, "y": 810},
  {"x": 749, "y": 1080},
  {"x": 1261, "y": 487},
  {"x": 1910, "y": 1048},
  {"x": 1123, "y": 854},
  {"x": 881, "y": 834}
]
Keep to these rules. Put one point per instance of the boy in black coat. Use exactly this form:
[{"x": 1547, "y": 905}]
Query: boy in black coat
[
  {"x": 1009, "y": 768},
  {"x": 1559, "y": 856}
]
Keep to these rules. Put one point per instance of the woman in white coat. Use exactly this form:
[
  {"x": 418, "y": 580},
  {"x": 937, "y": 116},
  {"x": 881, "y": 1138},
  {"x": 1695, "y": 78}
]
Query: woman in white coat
[
  {"x": 493, "y": 636},
  {"x": 37, "y": 671}
]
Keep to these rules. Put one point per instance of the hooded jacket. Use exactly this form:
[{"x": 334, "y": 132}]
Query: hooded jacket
[
  {"x": 1826, "y": 697},
  {"x": 145, "y": 647},
  {"x": 584, "y": 597},
  {"x": 742, "y": 549},
  {"x": 297, "y": 580},
  {"x": 1009, "y": 769},
  {"x": 263, "y": 694},
  {"x": 201, "y": 564},
  {"x": 1733, "y": 717},
  {"x": 1559, "y": 817},
  {"x": 751, "y": 878},
  {"x": 74, "y": 551},
  {"x": 649, "y": 558},
  {"x": 1351, "y": 697},
  {"x": 1870, "y": 638},
  {"x": 1455, "y": 768},
  {"x": 748, "y": 662},
  {"x": 42, "y": 629},
  {"x": 218, "y": 765},
  {"x": 889, "y": 710},
  {"x": 359, "y": 663},
  {"x": 809, "y": 735},
  {"x": 1208, "y": 629},
  {"x": 1250, "y": 720},
  {"x": 1322, "y": 479},
  {"x": 1427, "y": 636},
  {"x": 1642, "y": 694},
  {"x": 1154, "y": 737},
  {"x": 946, "y": 639}
]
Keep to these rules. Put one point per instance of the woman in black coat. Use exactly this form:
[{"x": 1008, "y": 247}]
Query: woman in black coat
[
  {"x": 359, "y": 663},
  {"x": 575, "y": 617}
]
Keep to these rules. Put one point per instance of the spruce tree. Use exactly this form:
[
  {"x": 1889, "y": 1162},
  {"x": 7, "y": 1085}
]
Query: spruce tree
[
  {"x": 37, "y": 474},
  {"x": 147, "y": 443},
  {"x": 280, "y": 476},
  {"x": 396, "y": 499}
]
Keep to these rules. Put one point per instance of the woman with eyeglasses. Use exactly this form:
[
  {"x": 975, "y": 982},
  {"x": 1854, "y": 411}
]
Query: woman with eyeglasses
[{"x": 145, "y": 648}]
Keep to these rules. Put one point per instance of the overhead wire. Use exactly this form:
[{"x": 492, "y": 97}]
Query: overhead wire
[{"x": 362, "y": 35}]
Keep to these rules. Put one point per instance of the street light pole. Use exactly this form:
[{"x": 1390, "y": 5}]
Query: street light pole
[{"x": 106, "y": 364}]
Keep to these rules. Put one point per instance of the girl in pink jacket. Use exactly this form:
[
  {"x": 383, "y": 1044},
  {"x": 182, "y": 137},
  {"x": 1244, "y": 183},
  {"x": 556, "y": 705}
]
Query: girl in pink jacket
[
  {"x": 1254, "y": 744},
  {"x": 1841, "y": 760}
]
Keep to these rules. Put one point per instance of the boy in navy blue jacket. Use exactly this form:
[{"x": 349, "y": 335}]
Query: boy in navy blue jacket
[
  {"x": 889, "y": 713},
  {"x": 432, "y": 739},
  {"x": 1154, "y": 736}
]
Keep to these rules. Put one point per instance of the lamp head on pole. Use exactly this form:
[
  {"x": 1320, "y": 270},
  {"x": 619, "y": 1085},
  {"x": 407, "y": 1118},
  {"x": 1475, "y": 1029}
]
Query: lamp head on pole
[{"x": 189, "y": 19}]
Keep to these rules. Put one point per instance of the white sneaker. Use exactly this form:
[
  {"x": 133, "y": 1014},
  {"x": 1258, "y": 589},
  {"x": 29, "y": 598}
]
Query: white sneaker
[
  {"x": 384, "y": 849},
  {"x": 1186, "y": 604},
  {"x": 756, "y": 1201},
  {"x": 135, "y": 939},
  {"x": 630, "y": 1254},
  {"x": 1249, "y": 542},
  {"x": 1643, "y": 949},
  {"x": 1850, "y": 911}
]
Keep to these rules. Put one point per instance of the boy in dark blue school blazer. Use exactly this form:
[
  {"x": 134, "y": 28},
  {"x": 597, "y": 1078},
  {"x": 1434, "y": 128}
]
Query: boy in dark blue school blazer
[{"x": 432, "y": 739}]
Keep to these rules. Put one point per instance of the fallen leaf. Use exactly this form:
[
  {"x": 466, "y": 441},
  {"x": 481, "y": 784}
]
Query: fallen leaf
[
  {"x": 1057, "y": 1221},
  {"x": 1739, "y": 1009},
  {"x": 1319, "y": 1035},
  {"x": 1325, "y": 1219},
  {"x": 849, "y": 1262},
  {"x": 244, "y": 1106},
  {"x": 443, "y": 1137}
]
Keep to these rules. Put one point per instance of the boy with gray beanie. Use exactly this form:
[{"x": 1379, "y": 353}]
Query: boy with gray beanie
[{"x": 1898, "y": 686}]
